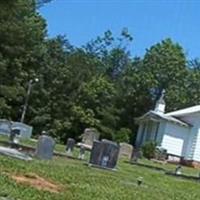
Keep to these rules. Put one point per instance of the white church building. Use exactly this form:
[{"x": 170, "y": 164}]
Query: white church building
[{"x": 178, "y": 132}]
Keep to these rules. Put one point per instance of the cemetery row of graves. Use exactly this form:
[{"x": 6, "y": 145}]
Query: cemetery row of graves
[
  {"x": 70, "y": 177},
  {"x": 103, "y": 153},
  {"x": 90, "y": 169}
]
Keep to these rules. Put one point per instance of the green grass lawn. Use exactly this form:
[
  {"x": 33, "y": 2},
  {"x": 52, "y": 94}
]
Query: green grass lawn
[
  {"x": 80, "y": 182},
  {"x": 171, "y": 167}
]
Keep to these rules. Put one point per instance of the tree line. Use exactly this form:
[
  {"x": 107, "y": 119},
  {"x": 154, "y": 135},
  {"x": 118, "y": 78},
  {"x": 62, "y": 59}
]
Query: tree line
[{"x": 97, "y": 85}]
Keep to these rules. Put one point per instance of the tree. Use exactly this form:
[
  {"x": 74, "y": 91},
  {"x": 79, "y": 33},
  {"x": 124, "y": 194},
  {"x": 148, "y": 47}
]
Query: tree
[
  {"x": 165, "y": 67},
  {"x": 22, "y": 32},
  {"x": 98, "y": 85}
]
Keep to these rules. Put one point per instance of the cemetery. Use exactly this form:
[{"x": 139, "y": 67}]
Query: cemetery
[
  {"x": 106, "y": 171},
  {"x": 99, "y": 100},
  {"x": 40, "y": 168}
]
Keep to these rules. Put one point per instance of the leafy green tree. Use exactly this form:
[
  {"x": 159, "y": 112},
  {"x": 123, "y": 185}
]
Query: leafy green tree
[
  {"x": 165, "y": 67},
  {"x": 123, "y": 135},
  {"x": 98, "y": 85},
  {"x": 22, "y": 32},
  {"x": 193, "y": 85}
]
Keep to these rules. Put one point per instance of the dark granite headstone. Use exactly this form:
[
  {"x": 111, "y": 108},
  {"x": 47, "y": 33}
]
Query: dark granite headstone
[
  {"x": 104, "y": 154},
  {"x": 45, "y": 147},
  {"x": 70, "y": 146},
  {"x": 136, "y": 154}
]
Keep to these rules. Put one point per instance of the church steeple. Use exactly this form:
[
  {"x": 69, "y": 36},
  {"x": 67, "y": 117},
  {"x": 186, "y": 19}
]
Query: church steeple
[{"x": 160, "y": 104}]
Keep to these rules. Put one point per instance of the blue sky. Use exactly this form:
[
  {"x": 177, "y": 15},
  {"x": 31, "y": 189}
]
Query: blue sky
[{"x": 148, "y": 21}]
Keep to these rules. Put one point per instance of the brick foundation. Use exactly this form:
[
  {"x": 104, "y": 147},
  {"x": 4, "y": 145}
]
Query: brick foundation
[
  {"x": 191, "y": 163},
  {"x": 180, "y": 160}
]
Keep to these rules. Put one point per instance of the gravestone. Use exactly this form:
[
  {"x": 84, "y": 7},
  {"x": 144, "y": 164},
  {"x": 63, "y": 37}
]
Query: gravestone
[
  {"x": 5, "y": 127},
  {"x": 104, "y": 154},
  {"x": 13, "y": 137},
  {"x": 125, "y": 150},
  {"x": 89, "y": 136},
  {"x": 70, "y": 146},
  {"x": 14, "y": 153},
  {"x": 136, "y": 154},
  {"x": 81, "y": 155},
  {"x": 25, "y": 130},
  {"x": 45, "y": 147}
]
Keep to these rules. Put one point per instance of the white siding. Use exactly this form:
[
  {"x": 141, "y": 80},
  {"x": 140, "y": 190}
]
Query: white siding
[
  {"x": 196, "y": 154},
  {"x": 193, "y": 149},
  {"x": 175, "y": 139},
  {"x": 178, "y": 140},
  {"x": 173, "y": 144}
]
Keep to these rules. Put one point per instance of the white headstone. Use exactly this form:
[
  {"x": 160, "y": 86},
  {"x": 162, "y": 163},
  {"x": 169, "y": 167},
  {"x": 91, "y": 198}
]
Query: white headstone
[
  {"x": 89, "y": 136},
  {"x": 125, "y": 150}
]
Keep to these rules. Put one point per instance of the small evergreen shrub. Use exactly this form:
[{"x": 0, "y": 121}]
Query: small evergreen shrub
[
  {"x": 149, "y": 149},
  {"x": 122, "y": 135}
]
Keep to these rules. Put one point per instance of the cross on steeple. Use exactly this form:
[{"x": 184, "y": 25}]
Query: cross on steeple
[{"x": 160, "y": 104}]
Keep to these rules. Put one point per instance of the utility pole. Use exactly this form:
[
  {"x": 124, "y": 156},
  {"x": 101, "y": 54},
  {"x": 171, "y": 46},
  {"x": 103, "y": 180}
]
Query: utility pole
[{"x": 30, "y": 84}]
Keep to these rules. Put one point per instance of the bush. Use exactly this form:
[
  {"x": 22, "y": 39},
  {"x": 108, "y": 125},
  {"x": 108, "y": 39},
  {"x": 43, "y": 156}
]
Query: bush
[
  {"x": 149, "y": 150},
  {"x": 123, "y": 135}
]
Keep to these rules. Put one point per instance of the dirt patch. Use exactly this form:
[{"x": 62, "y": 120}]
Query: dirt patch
[{"x": 37, "y": 182}]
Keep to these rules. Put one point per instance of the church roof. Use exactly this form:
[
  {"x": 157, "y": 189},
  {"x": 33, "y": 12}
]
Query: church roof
[
  {"x": 185, "y": 111},
  {"x": 155, "y": 115}
]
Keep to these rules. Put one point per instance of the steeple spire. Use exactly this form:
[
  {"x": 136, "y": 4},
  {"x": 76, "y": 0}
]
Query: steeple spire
[{"x": 160, "y": 104}]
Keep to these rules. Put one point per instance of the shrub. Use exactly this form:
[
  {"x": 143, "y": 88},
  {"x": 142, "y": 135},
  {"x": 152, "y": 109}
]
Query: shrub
[
  {"x": 123, "y": 135},
  {"x": 149, "y": 149}
]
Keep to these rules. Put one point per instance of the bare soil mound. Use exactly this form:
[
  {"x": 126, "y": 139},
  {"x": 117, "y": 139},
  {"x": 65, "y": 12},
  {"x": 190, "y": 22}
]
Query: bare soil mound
[{"x": 37, "y": 182}]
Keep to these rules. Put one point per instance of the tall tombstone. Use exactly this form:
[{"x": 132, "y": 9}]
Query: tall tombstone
[
  {"x": 70, "y": 146},
  {"x": 89, "y": 136},
  {"x": 104, "y": 154},
  {"x": 45, "y": 147},
  {"x": 125, "y": 150}
]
